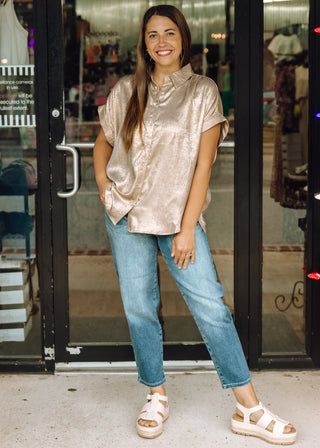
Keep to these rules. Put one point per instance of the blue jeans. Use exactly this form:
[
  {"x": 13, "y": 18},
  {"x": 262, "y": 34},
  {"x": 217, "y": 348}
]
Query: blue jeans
[{"x": 135, "y": 258}]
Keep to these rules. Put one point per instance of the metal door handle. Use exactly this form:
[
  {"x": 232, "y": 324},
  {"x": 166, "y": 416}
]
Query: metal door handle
[
  {"x": 82, "y": 145},
  {"x": 76, "y": 177}
]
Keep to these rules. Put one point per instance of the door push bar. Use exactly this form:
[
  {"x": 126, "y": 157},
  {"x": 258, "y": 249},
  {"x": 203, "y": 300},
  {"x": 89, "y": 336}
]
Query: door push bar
[
  {"x": 72, "y": 148},
  {"x": 76, "y": 176}
]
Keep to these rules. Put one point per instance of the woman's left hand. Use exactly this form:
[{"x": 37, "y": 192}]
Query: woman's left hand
[{"x": 184, "y": 248}]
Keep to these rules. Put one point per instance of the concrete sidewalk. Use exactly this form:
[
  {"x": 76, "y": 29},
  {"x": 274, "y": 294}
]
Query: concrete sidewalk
[{"x": 99, "y": 411}]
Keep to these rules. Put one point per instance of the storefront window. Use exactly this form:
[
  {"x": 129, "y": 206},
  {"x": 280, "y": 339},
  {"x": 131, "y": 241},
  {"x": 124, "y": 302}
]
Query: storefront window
[
  {"x": 285, "y": 174},
  {"x": 100, "y": 40},
  {"x": 19, "y": 299}
]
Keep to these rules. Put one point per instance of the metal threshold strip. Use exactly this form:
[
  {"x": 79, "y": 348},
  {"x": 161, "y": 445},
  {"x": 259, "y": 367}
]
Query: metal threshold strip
[{"x": 129, "y": 368}]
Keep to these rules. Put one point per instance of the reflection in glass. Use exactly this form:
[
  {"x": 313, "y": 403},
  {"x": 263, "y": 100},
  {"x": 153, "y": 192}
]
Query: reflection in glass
[{"x": 285, "y": 174}]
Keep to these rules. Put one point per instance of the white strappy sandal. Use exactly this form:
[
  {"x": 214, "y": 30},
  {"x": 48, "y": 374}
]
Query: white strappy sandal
[
  {"x": 153, "y": 410},
  {"x": 244, "y": 426}
]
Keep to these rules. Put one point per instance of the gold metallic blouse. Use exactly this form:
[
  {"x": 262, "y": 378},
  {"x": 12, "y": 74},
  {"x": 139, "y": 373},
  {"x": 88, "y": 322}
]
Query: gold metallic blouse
[{"x": 151, "y": 182}]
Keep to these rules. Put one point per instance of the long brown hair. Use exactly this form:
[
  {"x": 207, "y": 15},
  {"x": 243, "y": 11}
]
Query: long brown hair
[{"x": 145, "y": 66}]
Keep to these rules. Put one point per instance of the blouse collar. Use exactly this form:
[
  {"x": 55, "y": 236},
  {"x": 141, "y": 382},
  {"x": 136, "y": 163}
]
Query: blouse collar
[{"x": 180, "y": 76}]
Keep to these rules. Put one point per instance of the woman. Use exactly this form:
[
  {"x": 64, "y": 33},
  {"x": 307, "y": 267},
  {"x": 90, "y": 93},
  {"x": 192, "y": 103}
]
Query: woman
[{"x": 153, "y": 156}]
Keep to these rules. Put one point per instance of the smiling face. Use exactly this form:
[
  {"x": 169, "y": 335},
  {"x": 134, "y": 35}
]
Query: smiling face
[{"x": 164, "y": 43}]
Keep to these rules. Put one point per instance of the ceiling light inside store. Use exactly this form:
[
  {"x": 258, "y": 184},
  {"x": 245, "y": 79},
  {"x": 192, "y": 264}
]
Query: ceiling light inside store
[
  {"x": 4, "y": 61},
  {"x": 218, "y": 36}
]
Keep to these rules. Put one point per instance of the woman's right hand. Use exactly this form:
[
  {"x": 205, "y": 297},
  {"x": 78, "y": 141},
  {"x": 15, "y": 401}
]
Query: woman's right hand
[
  {"x": 101, "y": 155},
  {"x": 102, "y": 186}
]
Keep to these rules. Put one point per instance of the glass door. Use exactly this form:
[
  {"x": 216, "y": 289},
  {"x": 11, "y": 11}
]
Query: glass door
[
  {"x": 285, "y": 176},
  {"x": 20, "y": 307},
  {"x": 98, "y": 48}
]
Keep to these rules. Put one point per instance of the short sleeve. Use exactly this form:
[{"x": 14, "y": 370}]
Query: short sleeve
[
  {"x": 214, "y": 111},
  {"x": 107, "y": 116},
  {"x": 296, "y": 44},
  {"x": 285, "y": 46},
  {"x": 273, "y": 46}
]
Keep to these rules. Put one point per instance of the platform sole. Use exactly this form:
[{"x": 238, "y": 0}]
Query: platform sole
[
  {"x": 148, "y": 432},
  {"x": 245, "y": 430}
]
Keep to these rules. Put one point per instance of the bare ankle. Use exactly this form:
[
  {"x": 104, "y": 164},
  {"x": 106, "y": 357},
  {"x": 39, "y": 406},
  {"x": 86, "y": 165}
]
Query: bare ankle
[{"x": 158, "y": 390}]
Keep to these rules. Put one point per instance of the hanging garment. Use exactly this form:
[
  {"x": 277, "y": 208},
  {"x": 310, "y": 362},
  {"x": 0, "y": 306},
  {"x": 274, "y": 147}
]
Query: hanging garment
[
  {"x": 285, "y": 96},
  {"x": 13, "y": 37},
  {"x": 302, "y": 93},
  {"x": 284, "y": 48},
  {"x": 276, "y": 185},
  {"x": 287, "y": 152},
  {"x": 288, "y": 192}
]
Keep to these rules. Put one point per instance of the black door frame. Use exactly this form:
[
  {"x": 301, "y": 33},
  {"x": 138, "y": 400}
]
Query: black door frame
[
  {"x": 52, "y": 222},
  {"x": 248, "y": 173},
  {"x": 313, "y": 224},
  {"x": 45, "y": 362}
]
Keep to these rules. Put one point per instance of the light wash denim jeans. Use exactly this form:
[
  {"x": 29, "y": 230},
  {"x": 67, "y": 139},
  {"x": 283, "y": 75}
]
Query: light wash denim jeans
[{"x": 135, "y": 258}]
